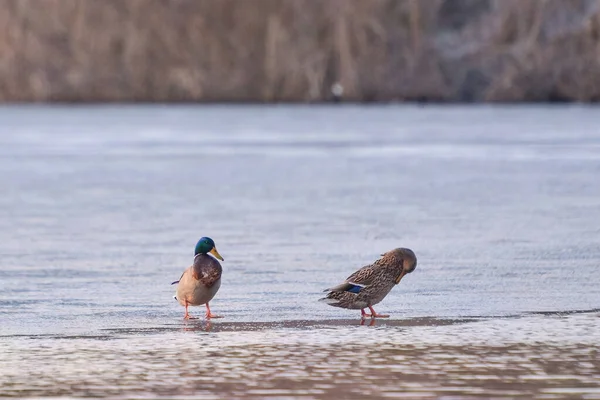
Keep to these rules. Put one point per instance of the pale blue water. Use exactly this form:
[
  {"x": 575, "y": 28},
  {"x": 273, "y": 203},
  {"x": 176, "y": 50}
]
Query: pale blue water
[{"x": 101, "y": 207}]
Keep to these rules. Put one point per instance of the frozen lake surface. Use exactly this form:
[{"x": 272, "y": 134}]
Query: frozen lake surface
[{"x": 101, "y": 208}]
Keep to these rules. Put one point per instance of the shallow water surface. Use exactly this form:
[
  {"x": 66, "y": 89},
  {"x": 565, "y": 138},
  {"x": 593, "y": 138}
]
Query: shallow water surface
[{"x": 101, "y": 208}]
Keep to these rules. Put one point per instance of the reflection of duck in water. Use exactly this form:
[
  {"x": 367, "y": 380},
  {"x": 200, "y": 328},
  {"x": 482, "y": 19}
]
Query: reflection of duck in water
[
  {"x": 200, "y": 282},
  {"x": 370, "y": 284},
  {"x": 200, "y": 326},
  {"x": 371, "y": 322}
]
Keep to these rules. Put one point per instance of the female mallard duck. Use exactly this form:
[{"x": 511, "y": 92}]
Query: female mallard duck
[
  {"x": 370, "y": 284},
  {"x": 200, "y": 282}
]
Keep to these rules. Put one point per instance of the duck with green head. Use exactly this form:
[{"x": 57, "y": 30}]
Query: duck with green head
[{"x": 201, "y": 281}]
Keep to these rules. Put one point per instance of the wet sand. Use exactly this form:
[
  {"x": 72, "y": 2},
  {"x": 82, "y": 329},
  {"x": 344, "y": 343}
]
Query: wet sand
[{"x": 552, "y": 356}]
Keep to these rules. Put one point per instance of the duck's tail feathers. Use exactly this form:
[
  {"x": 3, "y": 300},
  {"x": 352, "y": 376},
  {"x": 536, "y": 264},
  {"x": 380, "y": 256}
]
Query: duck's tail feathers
[
  {"x": 349, "y": 287},
  {"x": 327, "y": 300}
]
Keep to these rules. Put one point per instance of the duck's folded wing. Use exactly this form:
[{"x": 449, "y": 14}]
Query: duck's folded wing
[
  {"x": 346, "y": 287},
  {"x": 363, "y": 276},
  {"x": 355, "y": 282}
]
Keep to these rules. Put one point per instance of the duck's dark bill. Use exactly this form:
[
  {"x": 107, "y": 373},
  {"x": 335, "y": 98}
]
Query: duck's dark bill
[{"x": 400, "y": 277}]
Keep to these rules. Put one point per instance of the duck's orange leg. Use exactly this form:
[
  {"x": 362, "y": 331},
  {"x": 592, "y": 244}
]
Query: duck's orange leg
[
  {"x": 187, "y": 315},
  {"x": 210, "y": 315},
  {"x": 375, "y": 315}
]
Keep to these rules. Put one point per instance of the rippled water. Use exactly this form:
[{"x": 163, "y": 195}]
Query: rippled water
[{"x": 101, "y": 208}]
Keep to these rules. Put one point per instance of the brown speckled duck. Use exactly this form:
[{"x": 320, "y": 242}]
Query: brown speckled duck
[
  {"x": 370, "y": 284},
  {"x": 200, "y": 282}
]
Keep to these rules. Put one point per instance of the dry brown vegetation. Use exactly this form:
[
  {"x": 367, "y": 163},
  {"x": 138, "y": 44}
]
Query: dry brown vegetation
[{"x": 294, "y": 50}]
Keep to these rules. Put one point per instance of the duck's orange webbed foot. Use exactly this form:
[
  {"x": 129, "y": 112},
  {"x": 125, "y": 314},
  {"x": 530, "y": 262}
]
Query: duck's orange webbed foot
[
  {"x": 210, "y": 315},
  {"x": 187, "y": 315},
  {"x": 375, "y": 315}
]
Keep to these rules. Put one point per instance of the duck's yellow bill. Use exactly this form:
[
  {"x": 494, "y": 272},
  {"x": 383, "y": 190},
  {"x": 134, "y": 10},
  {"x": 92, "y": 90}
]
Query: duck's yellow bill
[
  {"x": 400, "y": 276},
  {"x": 215, "y": 253}
]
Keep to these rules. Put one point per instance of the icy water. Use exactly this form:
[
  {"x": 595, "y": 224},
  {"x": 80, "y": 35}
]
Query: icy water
[{"x": 100, "y": 209}]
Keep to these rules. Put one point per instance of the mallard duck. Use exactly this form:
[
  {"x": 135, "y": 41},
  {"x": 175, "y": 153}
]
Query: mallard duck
[
  {"x": 370, "y": 284},
  {"x": 201, "y": 281}
]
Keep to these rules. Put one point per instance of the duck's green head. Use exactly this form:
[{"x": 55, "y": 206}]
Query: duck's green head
[{"x": 206, "y": 245}]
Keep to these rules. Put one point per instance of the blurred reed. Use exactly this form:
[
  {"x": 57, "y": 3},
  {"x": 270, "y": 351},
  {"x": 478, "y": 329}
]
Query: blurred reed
[{"x": 297, "y": 50}]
